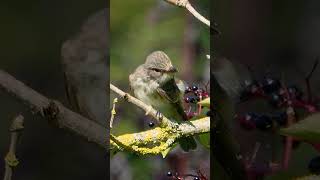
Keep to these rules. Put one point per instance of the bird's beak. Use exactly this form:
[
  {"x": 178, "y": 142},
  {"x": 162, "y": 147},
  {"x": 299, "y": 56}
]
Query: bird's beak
[{"x": 172, "y": 70}]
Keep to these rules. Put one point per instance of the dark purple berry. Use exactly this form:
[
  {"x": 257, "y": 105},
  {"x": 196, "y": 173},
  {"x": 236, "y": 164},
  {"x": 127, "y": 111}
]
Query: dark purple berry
[
  {"x": 198, "y": 92},
  {"x": 271, "y": 85},
  {"x": 194, "y": 88},
  {"x": 169, "y": 174},
  {"x": 197, "y": 98},
  {"x": 187, "y": 90},
  {"x": 281, "y": 118},
  {"x": 246, "y": 121},
  {"x": 187, "y": 99},
  {"x": 263, "y": 122},
  {"x": 314, "y": 165},
  {"x": 192, "y": 100},
  {"x": 151, "y": 124},
  {"x": 196, "y": 178},
  {"x": 294, "y": 92},
  {"x": 250, "y": 88},
  {"x": 275, "y": 99}
]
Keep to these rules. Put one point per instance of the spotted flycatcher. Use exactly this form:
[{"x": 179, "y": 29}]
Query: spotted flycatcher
[
  {"x": 153, "y": 83},
  {"x": 84, "y": 60}
]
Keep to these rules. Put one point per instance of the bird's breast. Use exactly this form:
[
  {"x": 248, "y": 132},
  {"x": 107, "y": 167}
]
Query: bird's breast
[{"x": 146, "y": 91}]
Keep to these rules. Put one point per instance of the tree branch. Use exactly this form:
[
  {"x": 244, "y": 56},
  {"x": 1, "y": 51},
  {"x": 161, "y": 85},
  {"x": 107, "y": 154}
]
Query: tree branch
[
  {"x": 10, "y": 159},
  {"x": 163, "y": 121},
  {"x": 157, "y": 140},
  {"x": 186, "y": 4},
  {"x": 55, "y": 111}
]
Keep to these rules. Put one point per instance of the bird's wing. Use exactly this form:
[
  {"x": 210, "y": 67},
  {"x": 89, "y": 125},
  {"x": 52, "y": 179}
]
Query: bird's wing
[
  {"x": 171, "y": 92},
  {"x": 71, "y": 92},
  {"x": 75, "y": 99}
]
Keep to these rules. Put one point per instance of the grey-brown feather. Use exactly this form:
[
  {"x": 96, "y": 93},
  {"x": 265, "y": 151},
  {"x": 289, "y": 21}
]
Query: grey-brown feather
[{"x": 154, "y": 85}]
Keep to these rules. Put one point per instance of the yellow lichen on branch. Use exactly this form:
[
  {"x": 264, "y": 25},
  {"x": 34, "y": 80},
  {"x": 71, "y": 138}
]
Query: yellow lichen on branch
[{"x": 157, "y": 140}]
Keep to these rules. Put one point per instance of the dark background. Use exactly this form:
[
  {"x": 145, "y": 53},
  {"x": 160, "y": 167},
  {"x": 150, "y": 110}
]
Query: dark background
[
  {"x": 278, "y": 38},
  {"x": 31, "y": 34}
]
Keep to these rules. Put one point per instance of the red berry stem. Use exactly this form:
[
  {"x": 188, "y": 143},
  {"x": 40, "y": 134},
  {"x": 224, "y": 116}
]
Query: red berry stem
[{"x": 289, "y": 140}]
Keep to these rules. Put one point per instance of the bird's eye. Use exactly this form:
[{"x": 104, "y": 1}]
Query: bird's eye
[{"x": 156, "y": 70}]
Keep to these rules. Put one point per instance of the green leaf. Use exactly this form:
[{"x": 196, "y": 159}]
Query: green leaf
[
  {"x": 165, "y": 152},
  {"x": 204, "y": 139},
  {"x": 205, "y": 102},
  {"x": 307, "y": 129}
]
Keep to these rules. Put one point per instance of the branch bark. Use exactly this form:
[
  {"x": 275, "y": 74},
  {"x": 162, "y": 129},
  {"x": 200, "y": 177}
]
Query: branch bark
[
  {"x": 55, "y": 111},
  {"x": 186, "y": 4},
  {"x": 10, "y": 159},
  {"x": 160, "y": 139}
]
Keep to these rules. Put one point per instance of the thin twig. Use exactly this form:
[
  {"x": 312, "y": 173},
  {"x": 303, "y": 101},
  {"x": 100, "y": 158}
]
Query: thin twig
[
  {"x": 113, "y": 111},
  {"x": 291, "y": 119},
  {"x": 307, "y": 79},
  {"x": 255, "y": 151},
  {"x": 186, "y": 4},
  {"x": 163, "y": 121},
  {"x": 289, "y": 139},
  {"x": 10, "y": 159}
]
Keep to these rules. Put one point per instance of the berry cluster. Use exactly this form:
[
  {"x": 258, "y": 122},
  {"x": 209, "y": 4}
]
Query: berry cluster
[
  {"x": 262, "y": 122},
  {"x": 276, "y": 94},
  {"x": 192, "y": 96},
  {"x": 176, "y": 176},
  {"x": 197, "y": 94},
  {"x": 287, "y": 99}
]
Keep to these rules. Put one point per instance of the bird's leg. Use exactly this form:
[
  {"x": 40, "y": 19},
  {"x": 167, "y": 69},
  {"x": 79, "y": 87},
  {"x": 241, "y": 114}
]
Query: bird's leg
[
  {"x": 126, "y": 97},
  {"x": 159, "y": 116},
  {"x": 148, "y": 110}
]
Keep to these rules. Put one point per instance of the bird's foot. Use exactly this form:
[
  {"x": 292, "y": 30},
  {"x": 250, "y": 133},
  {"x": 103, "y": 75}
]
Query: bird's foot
[
  {"x": 159, "y": 116},
  {"x": 148, "y": 110},
  {"x": 126, "y": 97}
]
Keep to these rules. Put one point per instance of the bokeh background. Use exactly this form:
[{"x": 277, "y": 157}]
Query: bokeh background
[
  {"x": 32, "y": 33},
  {"x": 276, "y": 38},
  {"x": 138, "y": 28}
]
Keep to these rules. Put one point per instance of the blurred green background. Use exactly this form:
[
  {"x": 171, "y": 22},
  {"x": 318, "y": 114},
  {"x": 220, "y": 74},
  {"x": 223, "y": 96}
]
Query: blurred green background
[
  {"x": 32, "y": 33},
  {"x": 138, "y": 28}
]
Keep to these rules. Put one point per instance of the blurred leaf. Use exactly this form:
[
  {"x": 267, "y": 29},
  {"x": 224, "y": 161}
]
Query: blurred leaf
[
  {"x": 165, "y": 152},
  {"x": 310, "y": 177},
  {"x": 204, "y": 139},
  {"x": 205, "y": 102},
  {"x": 307, "y": 129},
  {"x": 113, "y": 152}
]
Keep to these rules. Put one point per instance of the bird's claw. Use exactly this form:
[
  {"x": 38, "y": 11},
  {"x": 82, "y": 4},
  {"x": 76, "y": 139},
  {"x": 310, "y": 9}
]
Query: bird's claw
[
  {"x": 126, "y": 97},
  {"x": 159, "y": 116},
  {"x": 148, "y": 110}
]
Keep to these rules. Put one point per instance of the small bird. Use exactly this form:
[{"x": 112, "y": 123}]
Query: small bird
[
  {"x": 85, "y": 65},
  {"x": 153, "y": 83}
]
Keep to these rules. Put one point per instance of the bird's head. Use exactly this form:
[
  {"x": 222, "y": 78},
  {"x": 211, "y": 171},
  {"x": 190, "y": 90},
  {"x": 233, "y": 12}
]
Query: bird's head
[{"x": 159, "y": 67}]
